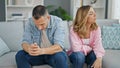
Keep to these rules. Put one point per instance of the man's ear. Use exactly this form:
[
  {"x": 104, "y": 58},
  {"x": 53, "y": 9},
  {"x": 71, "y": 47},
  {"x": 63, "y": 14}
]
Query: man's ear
[{"x": 48, "y": 17}]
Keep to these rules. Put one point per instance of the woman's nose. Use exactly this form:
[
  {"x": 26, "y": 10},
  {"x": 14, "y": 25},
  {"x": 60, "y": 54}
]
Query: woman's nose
[{"x": 94, "y": 14}]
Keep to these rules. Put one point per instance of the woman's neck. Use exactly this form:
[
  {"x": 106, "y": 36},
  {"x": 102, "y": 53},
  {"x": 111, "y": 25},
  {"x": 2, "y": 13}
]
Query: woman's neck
[
  {"x": 88, "y": 27},
  {"x": 87, "y": 32}
]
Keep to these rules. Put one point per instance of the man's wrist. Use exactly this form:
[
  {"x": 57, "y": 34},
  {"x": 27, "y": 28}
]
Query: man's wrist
[{"x": 42, "y": 51}]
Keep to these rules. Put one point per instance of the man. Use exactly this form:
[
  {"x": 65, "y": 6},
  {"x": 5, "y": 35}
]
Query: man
[{"x": 43, "y": 41}]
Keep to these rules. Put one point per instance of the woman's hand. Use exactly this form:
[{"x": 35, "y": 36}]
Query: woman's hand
[{"x": 97, "y": 63}]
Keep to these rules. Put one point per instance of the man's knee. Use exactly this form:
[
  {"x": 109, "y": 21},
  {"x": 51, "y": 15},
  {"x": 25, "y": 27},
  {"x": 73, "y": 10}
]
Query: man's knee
[{"x": 19, "y": 54}]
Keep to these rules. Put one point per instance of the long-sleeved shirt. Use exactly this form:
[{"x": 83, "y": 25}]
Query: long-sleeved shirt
[
  {"x": 95, "y": 43},
  {"x": 55, "y": 32}
]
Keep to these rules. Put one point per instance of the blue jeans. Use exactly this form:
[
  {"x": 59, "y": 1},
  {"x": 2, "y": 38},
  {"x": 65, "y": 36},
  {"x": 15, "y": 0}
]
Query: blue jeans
[
  {"x": 78, "y": 59},
  {"x": 24, "y": 60}
]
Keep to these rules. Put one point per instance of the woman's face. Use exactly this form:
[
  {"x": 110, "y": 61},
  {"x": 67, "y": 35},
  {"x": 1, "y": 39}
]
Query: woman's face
[{"x": 91, "y": 16}]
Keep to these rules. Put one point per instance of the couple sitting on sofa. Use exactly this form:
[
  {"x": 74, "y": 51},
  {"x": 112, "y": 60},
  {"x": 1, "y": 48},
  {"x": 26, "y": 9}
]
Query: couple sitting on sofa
[{"x": 43, "y": 40}]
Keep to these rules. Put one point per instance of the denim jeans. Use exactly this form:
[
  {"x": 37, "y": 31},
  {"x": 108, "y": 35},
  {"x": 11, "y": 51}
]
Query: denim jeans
[
  {"x": 78, "y": 59},
  {"x": 24, "y": 60}
]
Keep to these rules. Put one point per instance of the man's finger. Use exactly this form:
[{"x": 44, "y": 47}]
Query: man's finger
[{"x": 92, "y": 67}]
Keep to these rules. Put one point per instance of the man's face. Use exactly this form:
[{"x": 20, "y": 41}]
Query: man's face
[{"x": 42, "y": 22}]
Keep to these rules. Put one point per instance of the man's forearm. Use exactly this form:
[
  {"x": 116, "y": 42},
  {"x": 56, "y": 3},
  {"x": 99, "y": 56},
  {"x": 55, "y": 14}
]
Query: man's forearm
[
  {"x": 25, "y": 47},
  {"x": 52, "y": 49}
]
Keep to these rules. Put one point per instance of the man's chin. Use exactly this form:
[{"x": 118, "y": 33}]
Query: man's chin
[{"x": 41, "y": 29}]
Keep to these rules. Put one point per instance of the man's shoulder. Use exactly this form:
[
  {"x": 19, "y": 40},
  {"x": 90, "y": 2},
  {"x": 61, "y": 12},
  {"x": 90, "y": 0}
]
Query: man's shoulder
[
  {"x": 55, "y": 17},
  {"x": 30, "y": 19}
]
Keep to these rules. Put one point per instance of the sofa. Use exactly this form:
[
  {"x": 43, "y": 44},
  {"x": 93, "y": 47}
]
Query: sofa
[{"x": 11, "y": 36}]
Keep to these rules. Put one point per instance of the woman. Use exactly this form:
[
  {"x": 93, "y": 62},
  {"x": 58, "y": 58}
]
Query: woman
[{"x": 85, "y": 38}]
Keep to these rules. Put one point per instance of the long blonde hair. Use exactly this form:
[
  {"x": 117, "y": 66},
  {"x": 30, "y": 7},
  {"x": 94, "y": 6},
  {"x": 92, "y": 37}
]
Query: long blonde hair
[{"x": 79, "y": 25}]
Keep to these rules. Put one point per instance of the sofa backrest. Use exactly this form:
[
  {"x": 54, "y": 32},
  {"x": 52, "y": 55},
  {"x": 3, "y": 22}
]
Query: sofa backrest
[
  {"x": 108, "y": 22},
  {"x": 11, "y": 33},
  {"x": 67, "y": 44}
]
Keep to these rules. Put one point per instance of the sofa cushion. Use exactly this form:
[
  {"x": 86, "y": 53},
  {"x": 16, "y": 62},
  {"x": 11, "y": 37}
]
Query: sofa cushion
[
  {"x": 8, "y": 60},
  {"x": 11, "y": 33},
  {"x": 108, "y": 22},
  {"x": 111, "y": 59},
  {"x": 116, "y": 25},
  {"x": 111, "y": 37},
  {"x": 3, "y": 47}
]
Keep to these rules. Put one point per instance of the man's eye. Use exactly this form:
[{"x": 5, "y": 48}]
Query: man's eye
[{"x": 42, "y": 24}]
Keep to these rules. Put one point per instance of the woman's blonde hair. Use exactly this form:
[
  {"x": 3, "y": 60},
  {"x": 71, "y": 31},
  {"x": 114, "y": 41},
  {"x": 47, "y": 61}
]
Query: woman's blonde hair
[{"x": 79, "y": 25}]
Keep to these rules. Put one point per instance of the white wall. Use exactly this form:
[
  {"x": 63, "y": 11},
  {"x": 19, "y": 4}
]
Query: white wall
[
  {"x": 109, "y": 9},
  {"x": 75, "y": 4},
  {"x": 99, "y": 7},
  {"x": 114, "y": 9}
]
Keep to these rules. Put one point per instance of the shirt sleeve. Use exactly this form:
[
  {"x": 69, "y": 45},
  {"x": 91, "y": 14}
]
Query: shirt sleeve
[
  {"x": 27, "y": 35},
  {"x": 98, "y": 48},
  {"x": 59, "y": 34},
  {"x": 74, "y": 41}
]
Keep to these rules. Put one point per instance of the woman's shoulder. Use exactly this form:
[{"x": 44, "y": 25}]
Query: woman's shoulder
[
  {"x": 98, "y": 29},
  {"x": 71, "y": 30}
]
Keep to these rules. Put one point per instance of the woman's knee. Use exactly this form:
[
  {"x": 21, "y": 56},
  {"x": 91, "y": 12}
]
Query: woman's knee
[
  {"x": 60, "y": 56},
  {"x": 92, "y": 55},
  {"x": 90, "y": 58},
  {"x": 77, "y": 57}
]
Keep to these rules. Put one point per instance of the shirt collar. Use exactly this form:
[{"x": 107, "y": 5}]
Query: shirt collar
[{"x": 49, "y": 23}]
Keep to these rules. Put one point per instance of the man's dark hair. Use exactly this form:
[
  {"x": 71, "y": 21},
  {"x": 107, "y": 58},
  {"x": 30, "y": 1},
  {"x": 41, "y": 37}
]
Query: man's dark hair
[{"x": 39, "y": 11}]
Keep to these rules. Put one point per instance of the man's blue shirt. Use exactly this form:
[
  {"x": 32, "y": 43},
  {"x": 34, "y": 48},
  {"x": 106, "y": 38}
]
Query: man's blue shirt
[{"x": 55, "y": 32}]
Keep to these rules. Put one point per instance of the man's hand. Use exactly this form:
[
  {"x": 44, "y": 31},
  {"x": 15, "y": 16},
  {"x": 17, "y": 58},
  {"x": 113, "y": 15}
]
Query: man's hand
[
  {"x": 35, "y": 50},
  {"x": 97, "y": 63}
]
